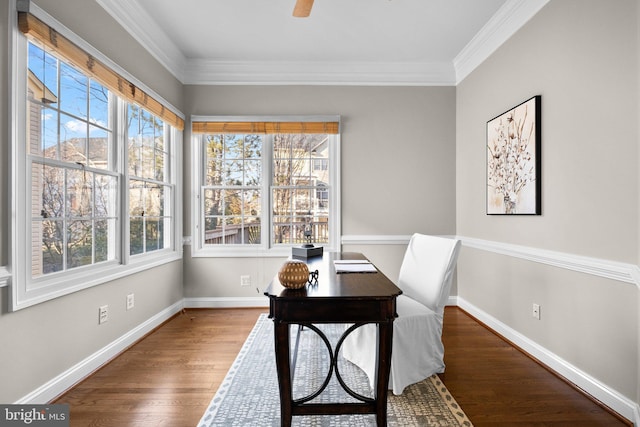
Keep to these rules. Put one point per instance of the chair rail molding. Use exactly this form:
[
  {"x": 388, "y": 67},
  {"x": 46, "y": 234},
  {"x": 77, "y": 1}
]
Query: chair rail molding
[{"x": 622, "y": 272}]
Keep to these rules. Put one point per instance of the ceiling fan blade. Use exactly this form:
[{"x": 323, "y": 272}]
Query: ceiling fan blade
[{"x": 302, "y": 8}]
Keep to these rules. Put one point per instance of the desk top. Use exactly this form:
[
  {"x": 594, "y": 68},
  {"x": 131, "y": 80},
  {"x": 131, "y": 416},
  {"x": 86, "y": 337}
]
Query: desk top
[{"x": 333, "y": 285}]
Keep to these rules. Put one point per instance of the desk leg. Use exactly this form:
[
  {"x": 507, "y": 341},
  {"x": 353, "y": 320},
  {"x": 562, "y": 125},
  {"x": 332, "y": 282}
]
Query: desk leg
[
  {"x": 385, "y": 343},
  {"x": 281, "y": 335}
]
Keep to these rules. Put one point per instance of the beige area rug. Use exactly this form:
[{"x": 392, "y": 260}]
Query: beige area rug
[{"x": 249, "y": 394}]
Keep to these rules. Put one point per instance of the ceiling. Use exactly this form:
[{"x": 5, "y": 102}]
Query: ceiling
[{"x": 367, "y": 42}]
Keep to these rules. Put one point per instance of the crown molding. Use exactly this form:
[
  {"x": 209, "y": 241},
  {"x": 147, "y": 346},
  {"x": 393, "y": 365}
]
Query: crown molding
[
  {"x": 503, "y": 24},
  {"x": 137, "y": 22},
  {"x": 507, "y": 20},
  {"x": 212, "y": 72}
]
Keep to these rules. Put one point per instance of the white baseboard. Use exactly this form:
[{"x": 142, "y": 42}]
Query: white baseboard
[
  {"x": 83, "y": 369},
  {"x": 609, "y": 397},
  {"x": 613, "y": 399},
  {"x": 226, "y": 302}
]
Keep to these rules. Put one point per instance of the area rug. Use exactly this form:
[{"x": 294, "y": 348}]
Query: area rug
[{"x": 249, "y": 394}]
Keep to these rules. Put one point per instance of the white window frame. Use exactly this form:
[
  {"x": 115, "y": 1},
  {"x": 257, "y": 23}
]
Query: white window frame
[
  {"x": 264, "y": 249},
  {"x": 25, "y": 291}
]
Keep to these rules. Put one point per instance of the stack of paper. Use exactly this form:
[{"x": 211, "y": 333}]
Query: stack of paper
[{"x": 354, "y": 266}]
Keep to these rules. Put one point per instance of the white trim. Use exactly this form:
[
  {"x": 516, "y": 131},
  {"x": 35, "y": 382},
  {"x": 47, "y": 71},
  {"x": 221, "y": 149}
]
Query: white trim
[
  {"x": 605, "y": 394},
  {"x": 146, "y": 31},
  {"x": 86, "y": 367},
  {"x": 622, "y": 272},
  {"x": 503, "y": 24},
  {"x": 381, "y": 239},
  {"x": 226, "y": 302},
  {"x": 5, "y": 276},
  {"x": 628, "y": 273},
  {"x": 213, "y": 72},
  {"x": 372, "y": 239}
]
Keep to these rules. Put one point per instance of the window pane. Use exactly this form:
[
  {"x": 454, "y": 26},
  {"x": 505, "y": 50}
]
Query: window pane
[
  {"x": 53, "y": 185},
  {"x": 234, "y": 147},
  {"x": 136, "y": 235},
  {"x": 232, "y": 172},
  {"x": 153, "y": 235},
  {"x": 214, "y": 146},
  {"x": 252, "y": 172},
  {"x": 252, "y": 202},
  {"x": 105, "y": 196},
  {"x": 282, "y": 199},
  {"x": 73, "y": 139},
  {"x": 52, "y": 246},
  {"x": 49, "y": 133},
  {"x": 103, "y": 229},
  {"x": 99, "y": 105},
  {"x": 79, "y": 193},
  {"x": 214, "y": 173},
  {"x": 73, "y": 91},
  {"x": 79, "y": 244},
  {"x": 154, "y": 201},
  {"x": 42, "y": 79},
  {"x": 136, "y": 198},
  {"x": 99, "y": 148},
  {"x": 252, "y": 230},
  {"x": 232, "y": 200}
]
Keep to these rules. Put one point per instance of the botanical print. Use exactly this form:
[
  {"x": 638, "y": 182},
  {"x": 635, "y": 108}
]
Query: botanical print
[{"x": 512, "y": 164}]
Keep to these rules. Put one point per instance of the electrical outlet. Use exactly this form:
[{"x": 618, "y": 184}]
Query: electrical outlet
[
  {"x": 536, "y": 311},
  {"x": 130, "y": 301},
  {"x": 103, "y": 314},
  {"x": 245, "y": 280}
]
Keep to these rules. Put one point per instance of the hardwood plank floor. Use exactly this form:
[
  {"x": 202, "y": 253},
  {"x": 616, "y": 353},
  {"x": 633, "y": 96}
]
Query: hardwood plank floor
[{"x": 169, "y": 377}]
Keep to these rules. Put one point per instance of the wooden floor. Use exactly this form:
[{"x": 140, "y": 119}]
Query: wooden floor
[{"x": 169, "y": 378}]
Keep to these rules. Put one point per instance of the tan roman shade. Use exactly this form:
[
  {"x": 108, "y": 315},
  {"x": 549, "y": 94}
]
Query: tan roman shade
[
  {"x": 37, "y": 30},
  {"x": 264, "y": 127}
]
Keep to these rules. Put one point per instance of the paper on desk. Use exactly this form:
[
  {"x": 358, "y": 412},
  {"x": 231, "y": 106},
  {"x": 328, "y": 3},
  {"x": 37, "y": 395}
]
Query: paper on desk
[
  {"x": 351, "y": 261},
  {"x": 356, "y": 266}
]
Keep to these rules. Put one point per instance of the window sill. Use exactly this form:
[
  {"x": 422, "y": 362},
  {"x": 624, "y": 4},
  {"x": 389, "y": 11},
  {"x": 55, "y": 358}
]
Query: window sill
[
  {"x": 44, "y": 289},
  {"x": 230, "y": 252}
]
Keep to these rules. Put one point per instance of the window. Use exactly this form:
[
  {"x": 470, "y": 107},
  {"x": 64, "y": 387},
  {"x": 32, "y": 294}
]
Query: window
[
  {"x": 74, "y": 180},
  {"x": 150, "y": 187},
  {"x": 265, "y": 185},
  {"x": 95, "y": 188}
]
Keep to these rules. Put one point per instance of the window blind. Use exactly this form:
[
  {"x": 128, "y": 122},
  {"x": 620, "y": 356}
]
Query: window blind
[
  {"x": 39, "y": 31},
  {"x": 264, "y": 127}
]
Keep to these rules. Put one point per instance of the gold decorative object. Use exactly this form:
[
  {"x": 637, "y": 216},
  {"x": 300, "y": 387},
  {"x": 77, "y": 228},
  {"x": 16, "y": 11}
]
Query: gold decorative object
[{"x": 293, "y": 274}]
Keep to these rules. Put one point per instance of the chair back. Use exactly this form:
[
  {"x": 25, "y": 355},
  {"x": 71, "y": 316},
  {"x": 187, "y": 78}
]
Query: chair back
[{"x": 427, "y": 270}]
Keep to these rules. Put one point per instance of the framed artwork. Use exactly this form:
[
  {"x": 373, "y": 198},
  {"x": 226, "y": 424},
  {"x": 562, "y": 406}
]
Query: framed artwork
[{"x": 513, "y": 161}]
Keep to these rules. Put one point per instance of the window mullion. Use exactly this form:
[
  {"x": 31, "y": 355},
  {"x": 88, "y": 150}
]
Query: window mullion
[
  {"x": 122, "y": 143},
  {"x": 267, "y": 183}
]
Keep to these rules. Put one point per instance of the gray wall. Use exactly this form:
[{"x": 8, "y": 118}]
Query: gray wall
[
  {"x": 41, "y": 342},
  {"x": 398, "y": 152},
  {"x": 581, "y": 56}
]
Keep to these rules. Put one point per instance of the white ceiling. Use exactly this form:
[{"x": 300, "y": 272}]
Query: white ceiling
[{"x": 393, "y": 42}]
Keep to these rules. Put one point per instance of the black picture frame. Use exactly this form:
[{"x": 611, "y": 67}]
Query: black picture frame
[{"x": 514, "y": 160}]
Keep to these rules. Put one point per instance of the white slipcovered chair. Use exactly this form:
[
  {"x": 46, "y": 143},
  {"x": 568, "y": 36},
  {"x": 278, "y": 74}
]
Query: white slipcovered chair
[{"x": 425, "y": 278}]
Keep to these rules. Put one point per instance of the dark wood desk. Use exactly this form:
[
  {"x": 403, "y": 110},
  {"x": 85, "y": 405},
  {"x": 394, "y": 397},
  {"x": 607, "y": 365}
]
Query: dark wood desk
[{"x": 356, "y": 298}]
